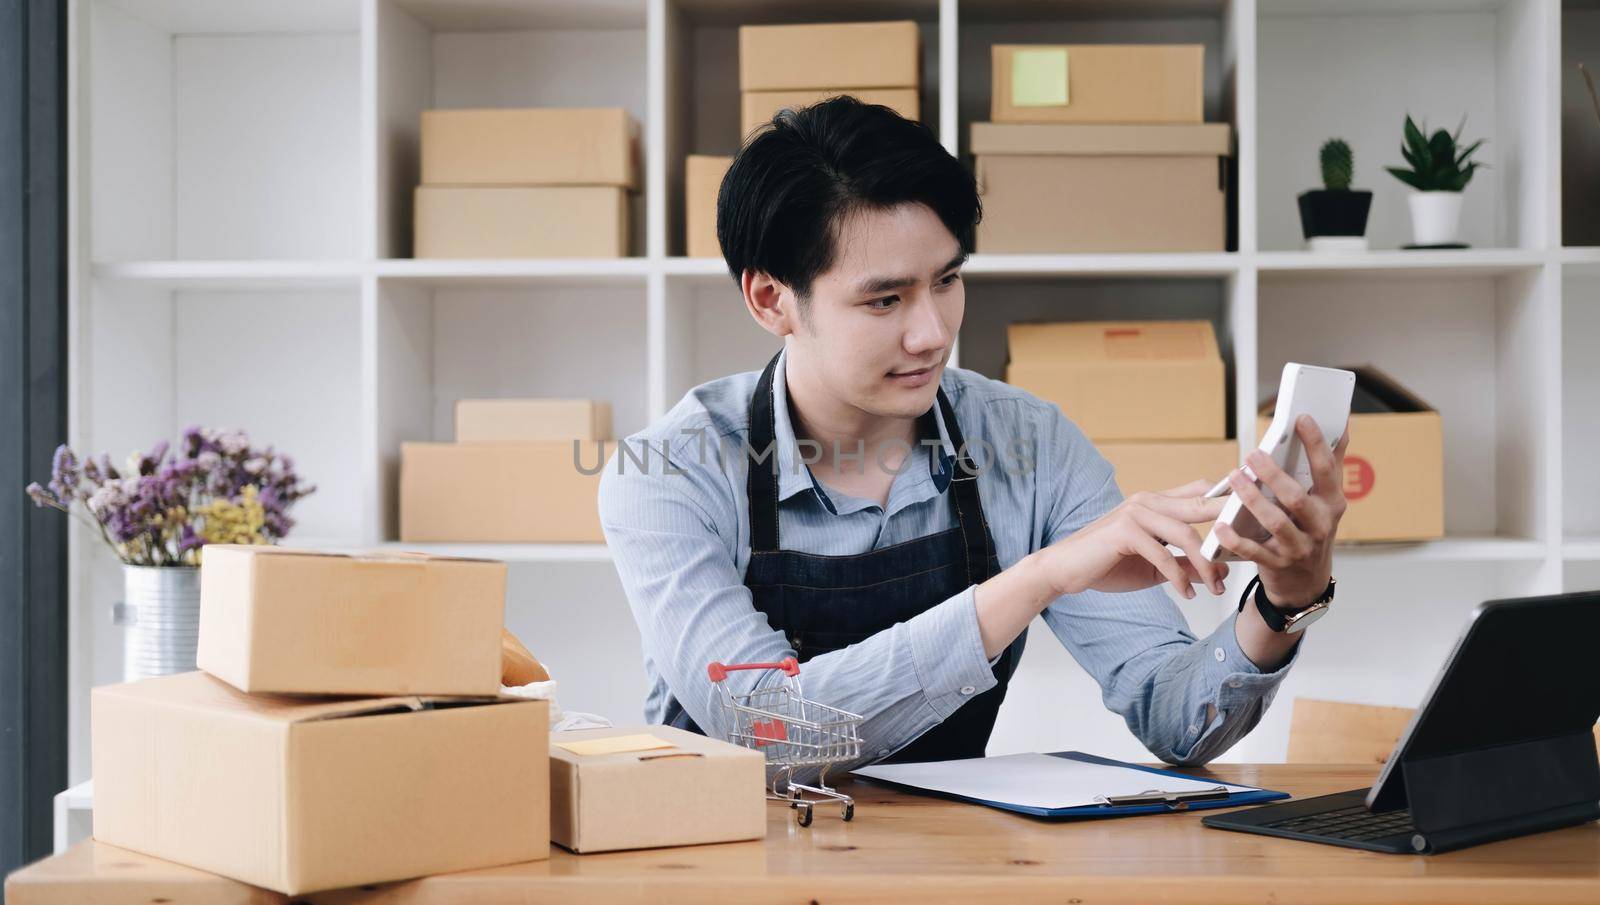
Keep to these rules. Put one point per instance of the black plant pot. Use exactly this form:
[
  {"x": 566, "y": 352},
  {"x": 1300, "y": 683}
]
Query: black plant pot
[{"x": 1329, "y": 213}]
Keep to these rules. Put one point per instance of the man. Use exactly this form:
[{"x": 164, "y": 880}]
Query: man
[{"x": 830, "y": 508}]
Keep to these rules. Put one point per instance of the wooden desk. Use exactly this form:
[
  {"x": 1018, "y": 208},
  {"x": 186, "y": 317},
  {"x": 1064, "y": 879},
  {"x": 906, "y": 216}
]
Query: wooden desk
[{"x": 904, "y": 848}]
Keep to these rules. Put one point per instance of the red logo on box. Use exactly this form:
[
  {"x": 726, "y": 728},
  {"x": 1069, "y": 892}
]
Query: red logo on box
[{"x": 1358, "y": 477}]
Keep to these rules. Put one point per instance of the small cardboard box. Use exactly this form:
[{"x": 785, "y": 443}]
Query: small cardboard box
[
  {"x": 758, "y": 107},
  {"x": 501, "y": 492},
  {"x": 1156, "y": 465},
  {"x": 547, "y": 221},
  {"x": 651, "y": 786},
  {"x": 303, "y": 794},
  {"x": 531, "y": 420},
  {"x": 702, "y": 180},
  {"x": 1394, "y": 465},
  {"x": 858, "y": 54},
  {"x": 1070, "y": 188},
  {"x": 1125, "y": 380},
  {"x": 1097, "y": 83},
  {"x": 531, "y": 146},
  {"x": 274, "y": 619}
]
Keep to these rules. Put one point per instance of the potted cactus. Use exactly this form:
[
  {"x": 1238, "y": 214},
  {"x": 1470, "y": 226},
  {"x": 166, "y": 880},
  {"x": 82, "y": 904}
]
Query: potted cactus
[
  {"x": 1334, "y": 217},
  {"x": 1439, "y": 169}
]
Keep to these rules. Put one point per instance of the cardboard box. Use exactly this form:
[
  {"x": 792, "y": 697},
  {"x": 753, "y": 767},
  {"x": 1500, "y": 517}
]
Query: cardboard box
[
  {"x": 859, "y": 54},
  {"x": 531, "y": 146},
  {"x": 1097, "y": 83},
  {"x": 555, "y": 221},
  {"x": 702, "y": 180},
  {"x": 1125, "y": 380},
  {"x": 531, "y": 420},
  {"x": 500, "y": 492},
  {"x": 1157, "y": 465},
  {"x": 650, "y": 786},
  {"x": 274, "y": 619},
  {"x": 298, "y": 794},
  {"x": 1068, "y": 188},
  {"x": 1394, "y": 465},
  {"x": 758, "y": 107}
]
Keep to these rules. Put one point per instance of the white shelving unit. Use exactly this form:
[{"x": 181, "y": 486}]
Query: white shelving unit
[{"x": 241, "y": 197}]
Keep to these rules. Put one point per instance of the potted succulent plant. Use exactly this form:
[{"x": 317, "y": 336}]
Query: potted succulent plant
[
  {"x": 158, "y": 512},
  {"x": 1334, "y": 217},
  {"x": 1439, "y": 169}
]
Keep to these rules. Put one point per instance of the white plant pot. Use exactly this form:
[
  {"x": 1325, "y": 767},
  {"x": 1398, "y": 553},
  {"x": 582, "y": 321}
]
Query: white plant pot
[{"x": 1435, "y": 217}]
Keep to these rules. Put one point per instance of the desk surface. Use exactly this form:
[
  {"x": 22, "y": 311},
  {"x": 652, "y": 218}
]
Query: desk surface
[{"x": 912, "y": 848}]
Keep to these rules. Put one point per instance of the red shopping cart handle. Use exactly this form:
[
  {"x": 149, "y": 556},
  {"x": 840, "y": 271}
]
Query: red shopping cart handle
[{"x": 718, "y": 671}]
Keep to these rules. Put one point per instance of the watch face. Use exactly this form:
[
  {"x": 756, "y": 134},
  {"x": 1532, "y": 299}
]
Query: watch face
[{"x": 1299, "y": 621}]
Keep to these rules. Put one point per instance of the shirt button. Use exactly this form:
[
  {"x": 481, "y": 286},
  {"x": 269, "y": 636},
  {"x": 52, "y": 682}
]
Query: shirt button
[
  {"x": 968, "y": 689},
  {"x": 883, "y": 752},
  {"x": 1219, "y": 655},
  {"x": 1195, "y": 728},
  {"x": 1234, "y": 683}
]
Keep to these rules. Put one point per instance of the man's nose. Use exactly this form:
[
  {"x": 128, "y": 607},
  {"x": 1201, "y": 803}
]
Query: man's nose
[{"x": 926, "y": 332}]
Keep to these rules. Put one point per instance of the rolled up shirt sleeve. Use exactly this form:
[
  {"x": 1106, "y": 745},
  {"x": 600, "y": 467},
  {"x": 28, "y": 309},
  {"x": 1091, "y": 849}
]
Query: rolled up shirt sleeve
[
  {"x": 673, "y": 537},
  {"x": 1186, "y": 699}
]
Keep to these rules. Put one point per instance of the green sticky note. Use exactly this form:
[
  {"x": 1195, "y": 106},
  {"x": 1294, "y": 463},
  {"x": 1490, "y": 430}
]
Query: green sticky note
[{"x": 1039, "y": 77}]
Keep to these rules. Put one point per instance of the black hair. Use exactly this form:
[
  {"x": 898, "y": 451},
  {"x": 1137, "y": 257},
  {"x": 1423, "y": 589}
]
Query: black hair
[{"x": 787, "y": 191}]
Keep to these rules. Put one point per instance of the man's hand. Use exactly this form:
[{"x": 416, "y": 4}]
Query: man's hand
[
  {"x": 1125, "y": 549},
  {"x": 1297, "y": 560}
]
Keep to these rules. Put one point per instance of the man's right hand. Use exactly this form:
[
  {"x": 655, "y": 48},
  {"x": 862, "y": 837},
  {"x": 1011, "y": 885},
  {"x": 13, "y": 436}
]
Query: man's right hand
[{"x": 1125, "y": 549}]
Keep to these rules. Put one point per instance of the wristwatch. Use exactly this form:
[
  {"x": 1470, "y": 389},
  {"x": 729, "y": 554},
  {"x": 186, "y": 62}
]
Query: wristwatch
[{"x": 1278, "y": 620}]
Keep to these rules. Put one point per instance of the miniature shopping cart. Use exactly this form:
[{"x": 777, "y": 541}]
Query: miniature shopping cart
[{"x": 793, "y": 733}]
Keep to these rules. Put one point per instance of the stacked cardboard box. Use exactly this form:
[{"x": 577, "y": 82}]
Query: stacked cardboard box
[
  {"x": 526, "y": 183},
  {"x": 1394, "y": 465},
  {"x": 516, "y": 474},
  {"x": 1151, "y": 395},
  {"x": 397, "y": 758},
  {"x": 795, "y": 66},
  {"x": 1100, "y": 148}
]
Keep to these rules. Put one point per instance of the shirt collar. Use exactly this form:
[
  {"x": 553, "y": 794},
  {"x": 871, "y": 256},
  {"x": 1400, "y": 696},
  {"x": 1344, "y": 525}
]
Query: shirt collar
[{"x": 794, "y": 475}]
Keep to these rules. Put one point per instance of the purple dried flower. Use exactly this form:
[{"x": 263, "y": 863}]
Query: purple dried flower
[{"x": 63, "y": 473}]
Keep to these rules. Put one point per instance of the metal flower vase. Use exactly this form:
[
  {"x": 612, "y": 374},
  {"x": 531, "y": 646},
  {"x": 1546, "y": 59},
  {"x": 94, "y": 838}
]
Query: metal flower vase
[{"x": 160, "y": 612}]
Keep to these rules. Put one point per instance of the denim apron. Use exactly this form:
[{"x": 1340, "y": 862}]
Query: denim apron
[{"x": 825, "y": 603}]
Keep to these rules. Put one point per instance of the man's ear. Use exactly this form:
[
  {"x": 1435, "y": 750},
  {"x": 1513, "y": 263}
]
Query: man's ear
[{"x": 772, "y": 304}]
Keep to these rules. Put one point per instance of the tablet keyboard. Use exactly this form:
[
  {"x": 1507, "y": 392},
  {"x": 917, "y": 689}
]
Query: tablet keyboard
[{"x": 1356, "y": 824}]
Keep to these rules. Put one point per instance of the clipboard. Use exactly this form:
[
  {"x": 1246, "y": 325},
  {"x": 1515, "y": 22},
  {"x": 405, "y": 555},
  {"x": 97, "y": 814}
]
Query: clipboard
[{"x": 1156, "y": 801}]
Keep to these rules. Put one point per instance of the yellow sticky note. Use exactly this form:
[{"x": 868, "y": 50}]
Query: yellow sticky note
[
  {"x": 616, "y": 744},
  {"x": 1039, "y": 77}
]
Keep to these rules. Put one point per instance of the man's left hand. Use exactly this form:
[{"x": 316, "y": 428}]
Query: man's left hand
[{"x": 1296, "y": 562}]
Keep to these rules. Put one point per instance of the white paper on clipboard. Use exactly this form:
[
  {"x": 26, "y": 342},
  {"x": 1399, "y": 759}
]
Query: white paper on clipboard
[{"x": 1034, "y": 780}]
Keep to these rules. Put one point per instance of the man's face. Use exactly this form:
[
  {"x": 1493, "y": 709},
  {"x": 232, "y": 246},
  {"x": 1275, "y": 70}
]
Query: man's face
[{"x": 882, "y": 320}]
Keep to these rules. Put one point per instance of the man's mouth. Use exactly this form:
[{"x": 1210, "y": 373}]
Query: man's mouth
[{"x": 916, "y": 377}]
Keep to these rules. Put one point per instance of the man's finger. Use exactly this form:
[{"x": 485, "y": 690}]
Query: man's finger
[
  {"x": 1164, "y": 562},
  {"x": 1287, "y": 489},
  {"x": 1192, "y": 489},
  {"x": 1324, "y": 470},
  {"x": 1268, "y": 513},
  {"x": 1179, "y": 534},
  {"x": 1189, "y": 509},
  {"x": 1249, "y": 549}
]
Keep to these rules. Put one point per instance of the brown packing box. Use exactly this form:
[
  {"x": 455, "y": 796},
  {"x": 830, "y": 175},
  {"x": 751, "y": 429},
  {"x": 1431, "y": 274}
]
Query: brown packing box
[
  {"x": 702, "y": 180},
  {"x": 698, "y": 790},
  {"x": 860, "y": 54},
  {"x": 1097, "y": 83},
  {"x": 555, "y": 221},
  {"x": 758, "y": 107},
  {"x": 500, "y": 492},
  {"x": 1072, "y": 188},
  {"x": 530, "y": 146},
  {"x": 274, "y": 619},
  {"x": 1125, "y": 380},
  {"x": 299, "y": 794},
  {"x": 1393, "y": 467},
  {"x": 1156, "y": 465},
  {"x": 524, "y": 420}
]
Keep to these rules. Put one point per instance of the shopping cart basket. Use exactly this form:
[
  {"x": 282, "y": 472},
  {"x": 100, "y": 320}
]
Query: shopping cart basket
[{"x": 793, "y": 733}]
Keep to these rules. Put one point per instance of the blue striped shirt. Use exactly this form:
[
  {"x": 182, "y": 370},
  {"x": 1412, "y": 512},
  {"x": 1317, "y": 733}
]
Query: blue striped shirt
[{"x": 675, "y": 514}]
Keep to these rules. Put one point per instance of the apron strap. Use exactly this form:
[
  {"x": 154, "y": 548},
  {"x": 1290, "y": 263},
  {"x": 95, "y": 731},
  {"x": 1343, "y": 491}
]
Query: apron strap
[
  {"x": 761, "y": 479},
  {"x": 964, "y": 492},
  {"x": 761, "y": 483}
]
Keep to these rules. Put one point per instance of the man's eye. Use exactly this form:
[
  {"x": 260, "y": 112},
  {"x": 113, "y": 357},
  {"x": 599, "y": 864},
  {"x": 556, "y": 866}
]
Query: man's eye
[
  {"x": 950, "y": 279},
  {"x": 883, "y": 304}
]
